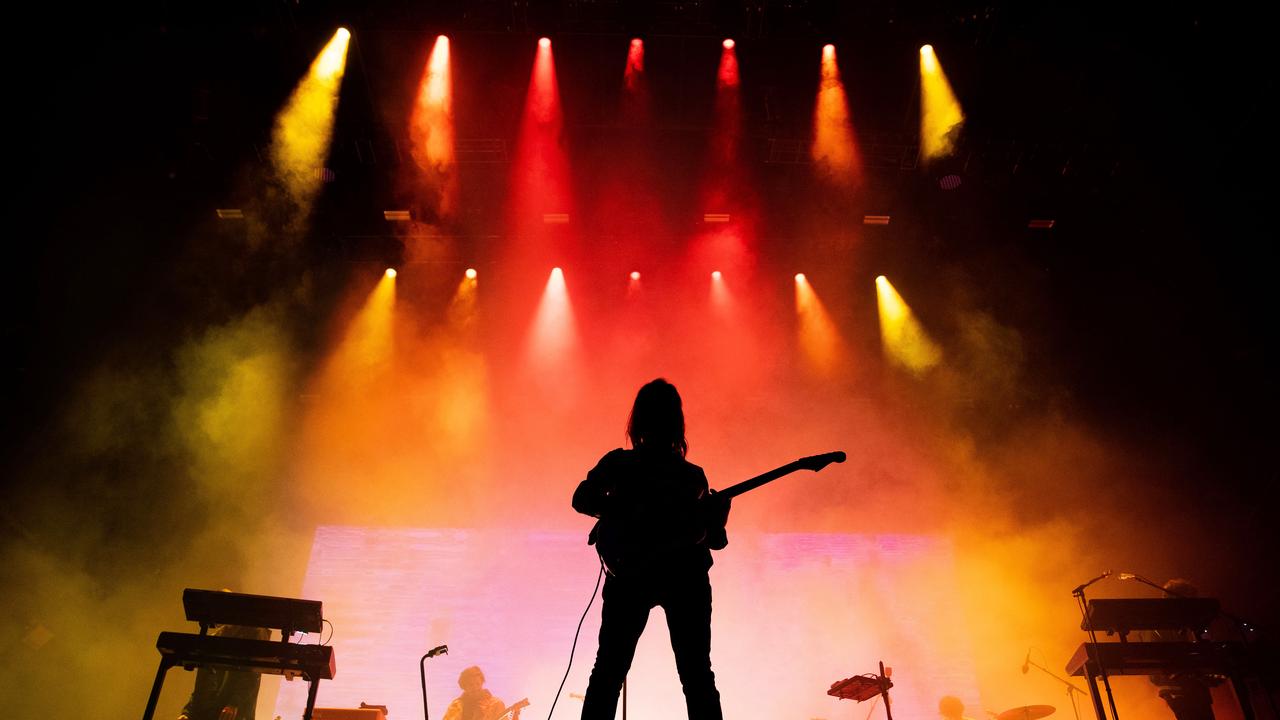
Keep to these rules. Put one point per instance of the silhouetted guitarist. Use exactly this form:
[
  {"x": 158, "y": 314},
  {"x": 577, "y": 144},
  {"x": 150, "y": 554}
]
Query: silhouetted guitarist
[{"x": 655, "y": 536}]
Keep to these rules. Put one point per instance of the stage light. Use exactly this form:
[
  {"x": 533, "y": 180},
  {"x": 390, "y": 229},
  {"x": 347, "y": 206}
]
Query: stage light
[
  {"x": 903, "y": 338},
  {"x": 819, "y": 339},
  {"x": 633, "y": 80},
  {"x": 431, "y": 132},
  {"x": 540, "y": 177},
  {"x": 230, "y": 214},
  {"x": 462, "y": 309},
  {"x": 715, "y": 275},
  {"x": 941, "y": 117},
  {"x": 728, "y": 44},
  {"x": 368, "y": 341},
  {"x": 833, "y": 150},
  {"x": 875, "y": 219},
  {"x": 635, "y": 275},
  {"x": 553, "y": 335},
  {"x": 334, "y": 57},
  {"x": 396, "y": 215},
  {"x": 304, "y": 127}
]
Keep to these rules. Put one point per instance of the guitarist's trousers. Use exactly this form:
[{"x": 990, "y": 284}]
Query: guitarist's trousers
[{"x": 685, "y": 597}]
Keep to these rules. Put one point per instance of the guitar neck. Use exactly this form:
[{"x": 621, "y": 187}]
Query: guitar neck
[{"x": 755, "y": 482}]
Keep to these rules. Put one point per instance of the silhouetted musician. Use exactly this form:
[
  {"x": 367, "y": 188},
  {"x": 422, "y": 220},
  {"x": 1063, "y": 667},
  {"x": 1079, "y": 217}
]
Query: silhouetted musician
[
  {"x": 655, "y": 540},
  {"x": 1187, "y": 694},
  {"x": 224, "y": 693}
]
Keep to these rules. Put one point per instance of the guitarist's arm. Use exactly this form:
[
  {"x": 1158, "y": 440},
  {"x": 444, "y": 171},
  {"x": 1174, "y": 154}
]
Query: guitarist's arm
[
  {"x": 592, "y": 496},
  {"x": 715, "y": 516}
]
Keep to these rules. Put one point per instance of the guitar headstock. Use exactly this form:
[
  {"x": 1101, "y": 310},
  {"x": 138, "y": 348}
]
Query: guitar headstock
[{"x": 817, "y": 462}]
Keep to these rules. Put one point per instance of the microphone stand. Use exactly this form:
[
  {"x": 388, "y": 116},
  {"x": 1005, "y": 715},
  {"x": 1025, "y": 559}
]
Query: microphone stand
[
  {"x": 1095, "y": 658},
  {"x": 1075, "y": 708},
  {"x": 422, "y": 672}
]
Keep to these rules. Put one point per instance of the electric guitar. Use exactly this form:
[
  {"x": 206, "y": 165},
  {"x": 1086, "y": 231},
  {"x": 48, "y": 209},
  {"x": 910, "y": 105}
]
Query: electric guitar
[
  {"x": 616, "y": 546},
  {"x": 514, "y": 711}
]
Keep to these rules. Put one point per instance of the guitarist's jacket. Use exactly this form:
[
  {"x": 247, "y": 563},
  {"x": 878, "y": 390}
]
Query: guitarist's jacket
[
  {"x": 650, "y": 510},
  {"x": 475, "y": 705}
]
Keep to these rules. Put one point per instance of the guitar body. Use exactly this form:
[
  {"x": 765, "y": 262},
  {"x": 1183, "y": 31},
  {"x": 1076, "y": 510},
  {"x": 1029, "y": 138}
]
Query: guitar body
[
  {"x": 637, "y": 538},
  {"x": 630, "y": 543}
]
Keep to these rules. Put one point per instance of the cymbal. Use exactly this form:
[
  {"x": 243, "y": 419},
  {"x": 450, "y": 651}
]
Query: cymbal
[{"x": 1027, "y": 712}]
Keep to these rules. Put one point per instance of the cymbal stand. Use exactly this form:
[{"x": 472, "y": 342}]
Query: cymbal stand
[
  {"x": 1071, "y": 688},
  {"x": 884, "y": 690}
]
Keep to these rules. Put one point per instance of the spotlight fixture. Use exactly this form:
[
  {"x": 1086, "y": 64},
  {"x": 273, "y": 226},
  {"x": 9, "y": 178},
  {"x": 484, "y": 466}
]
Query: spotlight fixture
[
  {"x": 470, "y": 273},
  {"x": 391, "y": 272},
  {"x": 544, "y": 43},
  {"x": 728, "y": 43},
  {"x": 715, "y": 275},
  {"x": 800, "y": 277},
  {"x": 635, "y": 274}
]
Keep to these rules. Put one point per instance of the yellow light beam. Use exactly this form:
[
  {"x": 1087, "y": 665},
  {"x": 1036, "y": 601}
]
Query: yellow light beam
[
  {"x": 368, "y": 342},
  {"x": 902, "y": 337},
  {"x": 304, "y": 128},
  {"x": 941, "y": 117}
]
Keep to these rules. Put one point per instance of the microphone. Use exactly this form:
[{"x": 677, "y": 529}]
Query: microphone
[
  {"x": 439, "y": 650},
  {"x": 1027, "y": 662},
  {"x": 1080, "y": 588}
]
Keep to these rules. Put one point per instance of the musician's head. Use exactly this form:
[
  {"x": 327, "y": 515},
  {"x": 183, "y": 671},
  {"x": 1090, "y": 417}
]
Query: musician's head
[
  {"x": 950, "y": 706},
  {"x": 471, "y": 679},
  {"x": 1178, "y": 587},
  {"x": 657, "y": 419}
]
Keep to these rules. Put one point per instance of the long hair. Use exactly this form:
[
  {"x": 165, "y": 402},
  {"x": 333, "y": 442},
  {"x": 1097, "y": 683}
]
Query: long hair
[{"x": 657, "y": 419}]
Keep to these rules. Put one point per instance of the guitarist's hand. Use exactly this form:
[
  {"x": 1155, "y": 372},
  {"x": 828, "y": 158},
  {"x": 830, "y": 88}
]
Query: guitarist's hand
[
  {"x": 716, "y": 517},
  {"x": 717, "y": 509}
]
